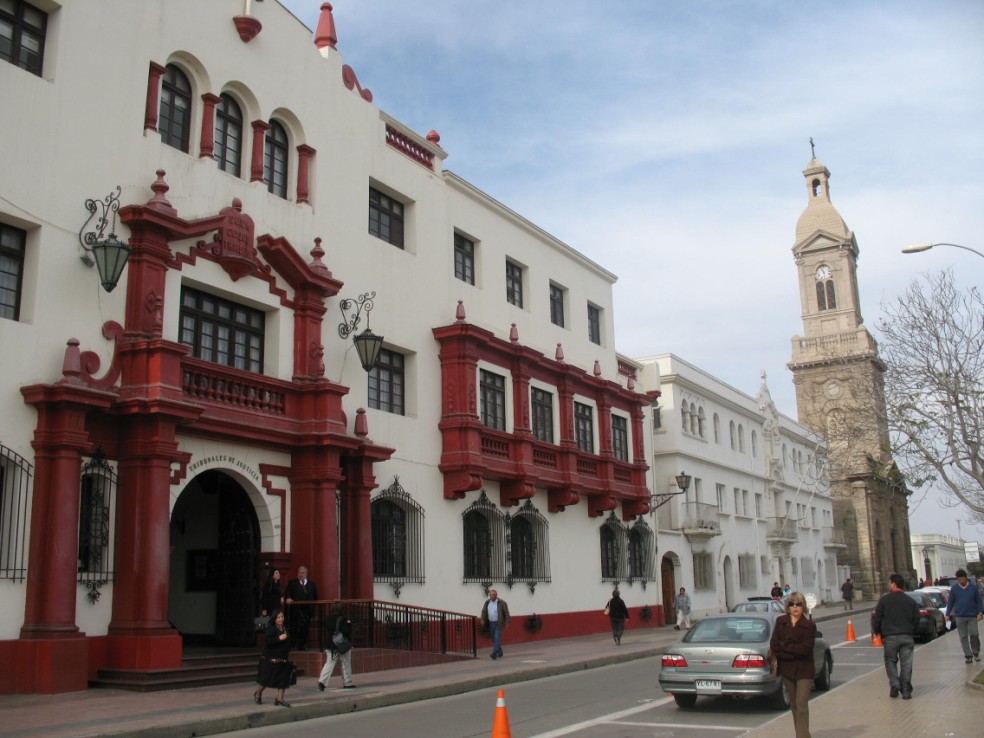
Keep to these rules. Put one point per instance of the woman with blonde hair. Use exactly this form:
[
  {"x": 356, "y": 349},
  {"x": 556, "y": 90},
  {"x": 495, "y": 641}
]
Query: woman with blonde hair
[{"x": 793, "y": 639}]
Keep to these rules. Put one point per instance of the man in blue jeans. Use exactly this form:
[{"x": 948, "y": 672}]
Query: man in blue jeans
[
  {"x": 964, "y": 608},
  {"x": 495, "y": 617},
  {"x": 896, "y": 620}
]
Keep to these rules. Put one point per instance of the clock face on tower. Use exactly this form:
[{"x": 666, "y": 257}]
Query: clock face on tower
[{"x": 823, "y": 272}]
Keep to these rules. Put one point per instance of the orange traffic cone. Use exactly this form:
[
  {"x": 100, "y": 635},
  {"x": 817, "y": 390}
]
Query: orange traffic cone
[
  {"x": 850, "y": 631},
  {"x": 876, "y": 641},
  {"x": 500, "y": 725}
]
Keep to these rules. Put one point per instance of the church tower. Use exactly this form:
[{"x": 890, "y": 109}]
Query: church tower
[{"x": 840, "y": 394}]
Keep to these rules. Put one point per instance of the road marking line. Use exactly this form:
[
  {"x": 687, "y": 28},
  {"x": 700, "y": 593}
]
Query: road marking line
[
  {"x": 611, "y": 717},
  {"x": 681, "y": 725}
]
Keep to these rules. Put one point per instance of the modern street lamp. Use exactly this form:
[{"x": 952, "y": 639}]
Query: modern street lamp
[{"x": 917, "y": 247}]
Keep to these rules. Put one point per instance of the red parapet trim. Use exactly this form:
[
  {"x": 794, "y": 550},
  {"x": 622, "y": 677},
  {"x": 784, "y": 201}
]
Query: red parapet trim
[
  {"x": 201, "y": 250},
  {"x": 248, "y": 27},
  {"x": 272, "y": 470},
  {"x": 352, "y": 82},
  {"x": 214, "y": 384},
  {"x": 406, "y": 145}
]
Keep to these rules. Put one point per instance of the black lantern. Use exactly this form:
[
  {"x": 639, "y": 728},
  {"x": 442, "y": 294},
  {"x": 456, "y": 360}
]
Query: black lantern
[
  {"x": 367, "y": 343},
  {"x": 108, "y": 254},
  {"x": 683, "y": 481}
]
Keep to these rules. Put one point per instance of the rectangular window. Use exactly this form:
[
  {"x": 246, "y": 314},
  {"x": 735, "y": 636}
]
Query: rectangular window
[
  {"x": 385, "y": 218},
  {"x": 746, "y": 571},
  {"x": 22, "y": 32},
  {"x": 222, "y": 331},
  {"x": 584, "y": 427},
  {"x": 492, "y": 388},
  {"x": 386, "y": 382},
  {"x": 703, "y": 571},
  {"x": 464, "y": 259},
  {"x": 620, "y": 438},
  {"x": 12, "y": 248},
  {"x": 594, "y": 324},
  {"x": 698, "y": 489},
  {"x": 557, "y": 305},
  {"x": 738, "y": 507},
  {"x": 542, "y": 402},
  {"x": 745, "y": 509},
  {"x": 657, "y": 417},
  {"x": 758, "y": 505},
  {"x": 514, "y": 284},
  {"x": 720, "y": 496}
]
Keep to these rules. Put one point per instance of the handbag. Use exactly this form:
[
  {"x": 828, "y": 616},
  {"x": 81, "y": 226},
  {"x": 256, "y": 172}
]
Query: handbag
[
  {"x": 341, "y": 643},
  {"x": 773, "y": 663},
  {"x": 293, "y": 673},
  {"x": 608, "y": 610},
  {"x": 260, "y": 622}
]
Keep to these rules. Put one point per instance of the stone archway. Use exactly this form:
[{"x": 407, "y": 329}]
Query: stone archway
[{"x": 215, "y": 551}]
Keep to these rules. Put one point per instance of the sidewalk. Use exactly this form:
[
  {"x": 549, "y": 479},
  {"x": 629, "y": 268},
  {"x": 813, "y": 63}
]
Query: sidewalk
[{"x": 211, "y": 710}]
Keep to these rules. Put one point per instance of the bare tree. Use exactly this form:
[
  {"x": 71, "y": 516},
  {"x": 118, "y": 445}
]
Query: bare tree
[{"x": 933, "y": 348}]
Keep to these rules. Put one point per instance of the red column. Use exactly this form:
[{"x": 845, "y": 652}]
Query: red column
[
  {"x": 259, "y": 137},
  {"x": 153, "y": 96},
  {"x": 304, "y": 155},
  {"x": 208, "y": 125}
]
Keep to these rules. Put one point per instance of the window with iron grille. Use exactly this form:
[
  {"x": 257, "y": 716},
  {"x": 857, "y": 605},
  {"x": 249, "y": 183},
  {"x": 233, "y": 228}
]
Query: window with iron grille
[
  {"x": 397, "y": 537},
  {"x": 492, "y": 388},
  {"x": 584, "y": 427},
  {"x": 385, "y": 218},
  {"x": 464, "y": 259},
  {"x": 174, "y": 119},
  {"x": 620, "y": 438},
  {"x": 15, "y": 499},
  {"x": 542, "y": 405},
  {"x": 275, "y": 157},
  {"x": 228, "y": 150},
  {"x": 527, "y": 546},
  {"x": 222, "y": 331},
  {"x": 703, "y": 571},
  {"x": 386, "y": 382},
  {"x": 12, "y": 250},
  {"x": 484, "y": 542},
  {"x": 557, "y": 305},
  {"x": 614, "y": 545},
  {"x": 97, "y": 490},
  {"x": 594, "y": 324},
  {"x": 514, "y": 284},
  {"x": 642, "y": 552},
  {"x": 22, "y": 33}
]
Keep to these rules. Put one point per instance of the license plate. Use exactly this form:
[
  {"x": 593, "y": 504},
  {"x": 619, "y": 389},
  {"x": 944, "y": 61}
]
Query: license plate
[{"x": 708, "y": 686}]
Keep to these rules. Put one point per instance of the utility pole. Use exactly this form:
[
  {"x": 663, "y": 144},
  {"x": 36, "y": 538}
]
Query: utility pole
[{"x": 959, "y": 534}]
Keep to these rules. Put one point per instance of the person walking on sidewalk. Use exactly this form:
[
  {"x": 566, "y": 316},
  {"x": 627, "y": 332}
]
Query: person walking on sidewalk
[
  {"x": 847, "y": 589},
  {"x": 275, "y": 668},
  {"x": 495, "y": 617},
  {"x": 896, "y": 620},
  {"x": 338, "y": 649},
  {"x": 618, "y": 613},
  {"x": 681, "y": 605},
  {"x": 965, "y": 608},
  {"x": 776, "y": 591},
  {"x": 792, "y": 642}
]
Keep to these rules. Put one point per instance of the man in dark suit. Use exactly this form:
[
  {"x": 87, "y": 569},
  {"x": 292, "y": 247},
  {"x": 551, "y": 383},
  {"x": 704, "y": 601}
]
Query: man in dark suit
[{"x": 299, "y": 591}]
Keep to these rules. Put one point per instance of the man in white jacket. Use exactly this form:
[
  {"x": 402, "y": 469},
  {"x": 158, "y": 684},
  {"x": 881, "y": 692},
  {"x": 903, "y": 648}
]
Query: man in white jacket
[{"x": 682, "y": 607}]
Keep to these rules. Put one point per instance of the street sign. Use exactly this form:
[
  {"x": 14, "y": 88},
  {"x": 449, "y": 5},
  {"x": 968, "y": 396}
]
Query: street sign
[
  {"x": 972, "y": 551},
  {"x": 811, "y": 601}
]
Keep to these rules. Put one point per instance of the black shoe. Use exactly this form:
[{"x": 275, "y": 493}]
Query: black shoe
[
  {"x": 893, "y": 692},
  {"x": 907, "y": 695},
  {"x": 492, "y": 656},
  {"x": 257, "y": 698},
  {"x": 977, "y": 657},
  {"x": 968, "y": 659},
  {"x": 676, "y": 627},
  {"x": 321, "y": 687},
  {"x": 348, "y": 686},
  {"x": 281, "y": 703}
]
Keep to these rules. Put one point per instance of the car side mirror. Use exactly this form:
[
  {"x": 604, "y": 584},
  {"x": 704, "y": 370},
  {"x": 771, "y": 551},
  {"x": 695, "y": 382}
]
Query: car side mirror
[{"x": 819, "y": 634}]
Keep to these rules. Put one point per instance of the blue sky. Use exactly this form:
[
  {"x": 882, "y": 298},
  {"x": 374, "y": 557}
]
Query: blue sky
[{"x": 666, "y": 141}]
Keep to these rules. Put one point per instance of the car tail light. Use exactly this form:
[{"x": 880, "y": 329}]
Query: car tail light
[
  {"x": 748, "y": 661},
  {"x": 674, "y": 659},
  {"x": 924, "y": 613}
]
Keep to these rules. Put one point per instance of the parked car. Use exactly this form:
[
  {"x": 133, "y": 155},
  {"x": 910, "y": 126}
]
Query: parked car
[
  {"x": 938, "y": 595},
  {"x": 754, "y": 604},
  {"x": 726, "y": 655},
  {"x": 932, "y": 622}
]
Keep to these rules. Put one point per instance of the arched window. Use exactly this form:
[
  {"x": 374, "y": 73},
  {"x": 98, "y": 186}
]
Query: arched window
[
  {"x": 816, "y": 186},
  {"x": 717, "y": 428},
  {"x": 612, "y": 536},
  {"x": 784, "y": 458},
  {"x": 228, "y": 135},
  {"x": 741, "y": 438},
  {"x": 701, "y": 423},
  {"x": 174, "y": 120},
  {"x": 15, "y": 491},
  {"x": 527, "y": 546},
  {"x": 641, "y": 550},
  {"x": 96, "y": 491},
  {"x": 523, "y": 548},
  {"x": 693, "y": 419},
  {"x": 478, "y": 546},
  {"x": 755, "y": 451},
  {"x": 825, "y": 295},
  {"x": 831, "y": 302},
  {"x": 275, "y": 156},
  {"x": 685, "y": 417},
  {"x": 397, "y": 523},
  {"x": 734, "y": 441}
]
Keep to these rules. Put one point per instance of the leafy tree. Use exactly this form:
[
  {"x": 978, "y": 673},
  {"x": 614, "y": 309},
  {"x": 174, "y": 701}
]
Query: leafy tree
[{"x": 933, "y": 348}]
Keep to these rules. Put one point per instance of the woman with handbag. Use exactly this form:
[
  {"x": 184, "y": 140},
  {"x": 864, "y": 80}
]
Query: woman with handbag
[
  {"x": 275, "y": 667},
  {"x": 339, "y": 648},
  {"x": 618, "y": 613},
  {"x": 793, "y": 639},
  {"x": 272, "y": 596}
]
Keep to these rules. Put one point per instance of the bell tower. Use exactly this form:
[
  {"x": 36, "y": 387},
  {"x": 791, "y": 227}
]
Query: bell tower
[{"x": 838, "y": 378}]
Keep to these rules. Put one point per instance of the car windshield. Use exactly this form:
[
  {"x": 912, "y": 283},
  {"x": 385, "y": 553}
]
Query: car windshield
[
  {"x": 726, "y": 630},
  {"x": 919, "y": 597},
  {"x": 752, "y": 607}
]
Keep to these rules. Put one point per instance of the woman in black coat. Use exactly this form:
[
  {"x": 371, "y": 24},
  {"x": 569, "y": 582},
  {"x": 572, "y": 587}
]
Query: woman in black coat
[
  {"x": 274, "y": 665},
  {"x": 272, "y": 596},
  {"x": 618, "y": 613},
  {"x": 793, "y": 639}
]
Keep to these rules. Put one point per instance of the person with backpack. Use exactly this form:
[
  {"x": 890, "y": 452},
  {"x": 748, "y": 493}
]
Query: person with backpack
[{"x": 339, "y": 627}]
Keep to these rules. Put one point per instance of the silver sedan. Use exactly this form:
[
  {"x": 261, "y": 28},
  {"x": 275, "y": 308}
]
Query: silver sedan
[{"x": 726, "y": 655}]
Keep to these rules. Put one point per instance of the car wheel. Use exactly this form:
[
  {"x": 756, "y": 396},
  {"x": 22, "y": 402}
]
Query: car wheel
[
  {"x": 780, "y": 700},
  {"x": 931, "y": 633},
  {"x": 823, "y": 681},
  {"x": 685, "y": 700}
]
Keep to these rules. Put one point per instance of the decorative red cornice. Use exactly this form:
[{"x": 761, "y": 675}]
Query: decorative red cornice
[{"x": 248, "y": 27}]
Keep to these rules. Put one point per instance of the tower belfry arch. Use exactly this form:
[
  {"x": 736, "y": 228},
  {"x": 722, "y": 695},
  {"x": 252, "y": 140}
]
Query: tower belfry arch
[{"x": 838, "y": 378}]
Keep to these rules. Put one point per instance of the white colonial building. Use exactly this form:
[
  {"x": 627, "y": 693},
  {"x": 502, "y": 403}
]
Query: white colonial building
[
  {"x": 757, "y": 506},
  {"x": 938, "y": 555}
]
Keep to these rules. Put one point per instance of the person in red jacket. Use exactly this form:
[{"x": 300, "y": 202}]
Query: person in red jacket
[{"x": 792, "y": 643}]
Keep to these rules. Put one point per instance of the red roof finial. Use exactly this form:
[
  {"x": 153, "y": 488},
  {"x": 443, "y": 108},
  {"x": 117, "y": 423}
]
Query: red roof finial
[
  {"x": 597, "y": 368},
  {"x": 158, "y": 201},
  {"x": 559, "y": 353},
  {"x": 459, "y": 313},
  {"x": 513, "y": 334},
  {"x": 316, "y": 264},
  {"x": 325, "y": 35},
  {"x": 434, "y": 137},
  {"x": 361, "y": 423}
]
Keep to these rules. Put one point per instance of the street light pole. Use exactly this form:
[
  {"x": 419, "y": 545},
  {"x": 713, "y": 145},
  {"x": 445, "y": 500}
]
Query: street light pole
[{"x": 917, "y": 247}]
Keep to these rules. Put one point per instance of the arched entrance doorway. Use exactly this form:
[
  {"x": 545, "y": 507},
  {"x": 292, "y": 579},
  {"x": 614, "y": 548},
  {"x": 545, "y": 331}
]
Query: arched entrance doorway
[
  {"x": 667, "y": 575},
  {"x": 729, "y": 584},
  {"x": 214, "y": 562}
]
